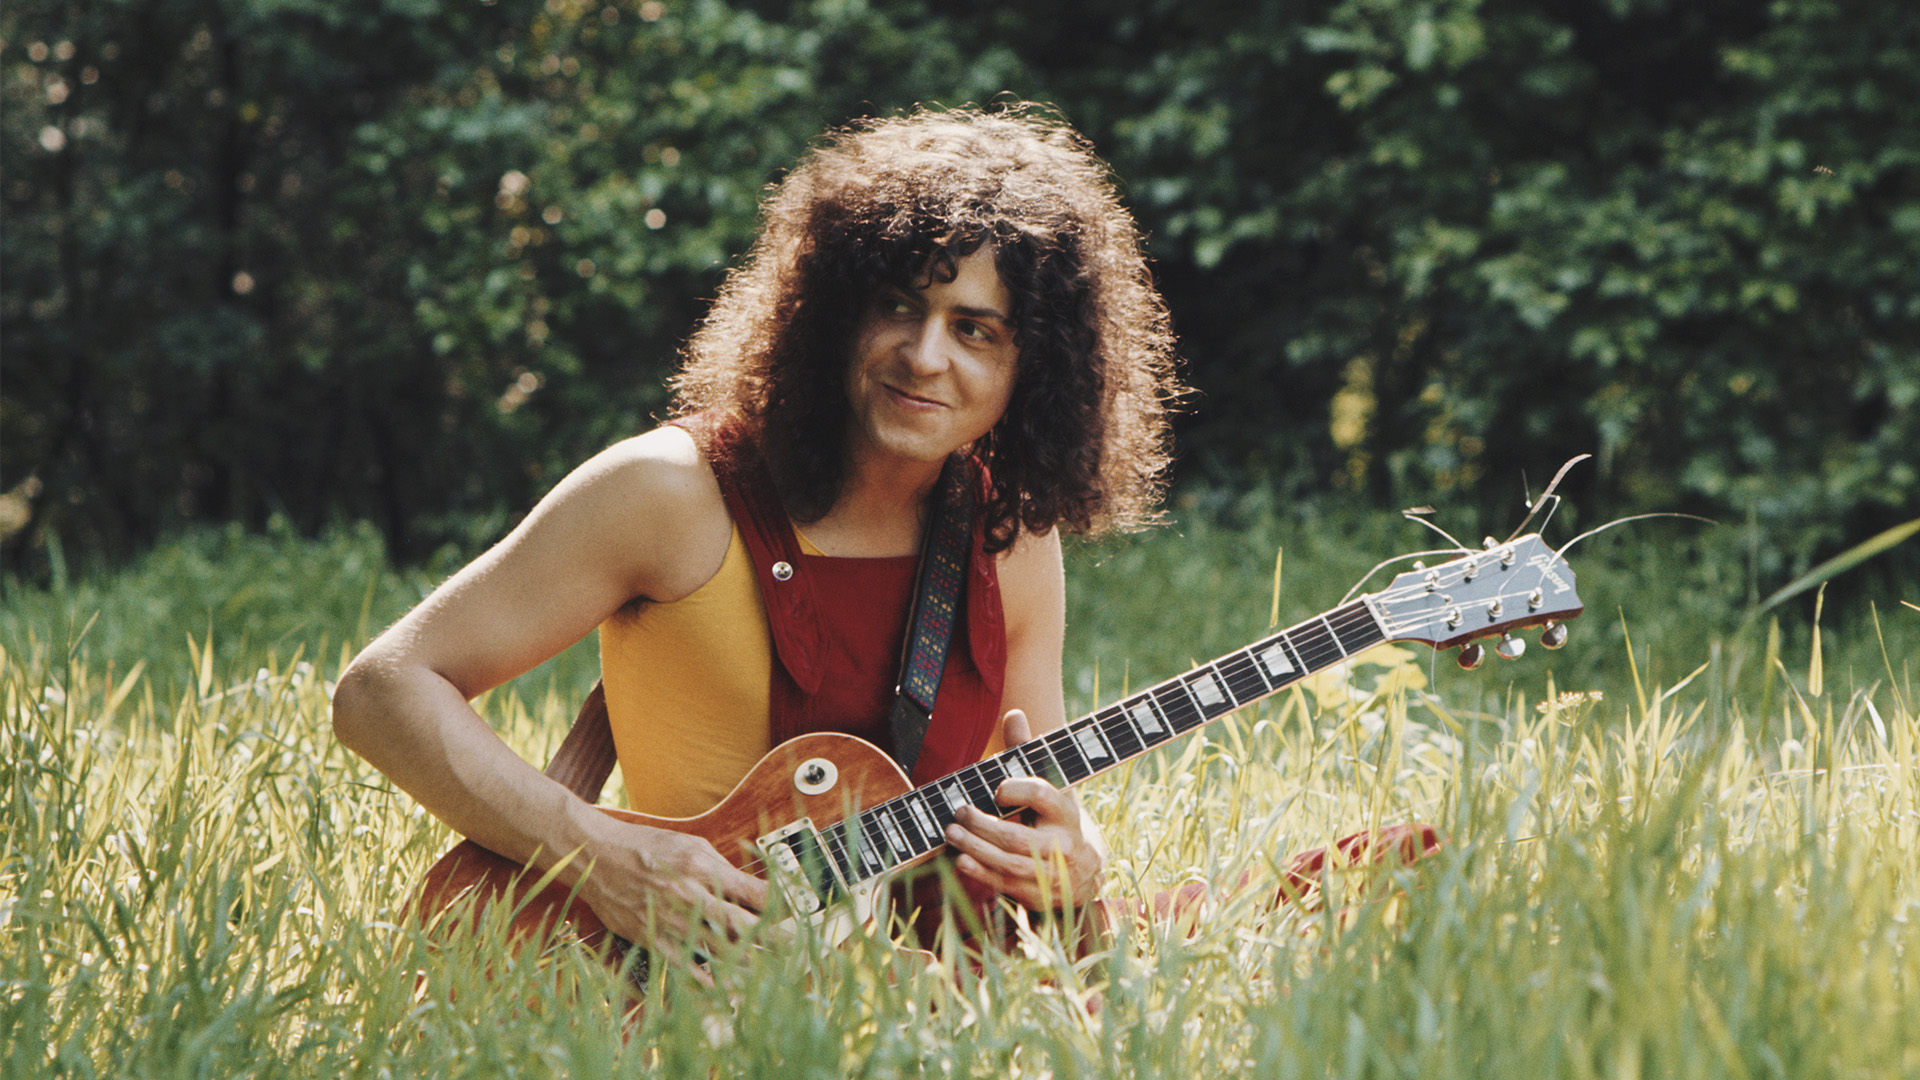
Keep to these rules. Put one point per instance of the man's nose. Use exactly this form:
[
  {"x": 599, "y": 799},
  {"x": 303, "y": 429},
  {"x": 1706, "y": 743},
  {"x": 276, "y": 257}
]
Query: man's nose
[{"x": 927, "y": 352}]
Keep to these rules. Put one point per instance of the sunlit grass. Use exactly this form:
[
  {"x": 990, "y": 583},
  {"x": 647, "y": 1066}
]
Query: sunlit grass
[{"x": 1703, "y": 865}]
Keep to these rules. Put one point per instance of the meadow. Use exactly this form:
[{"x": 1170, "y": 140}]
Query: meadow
[{"x": 1687, "y": 845}]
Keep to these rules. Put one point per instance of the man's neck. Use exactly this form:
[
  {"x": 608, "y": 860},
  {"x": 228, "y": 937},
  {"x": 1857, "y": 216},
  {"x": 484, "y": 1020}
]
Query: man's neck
[{"x": 880, "y": 511}]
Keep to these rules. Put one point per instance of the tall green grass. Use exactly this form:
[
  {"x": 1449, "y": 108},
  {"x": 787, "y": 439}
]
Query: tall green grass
[{"x": 1672, "y": 851}]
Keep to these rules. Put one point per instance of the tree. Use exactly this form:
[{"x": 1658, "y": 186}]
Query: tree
[{"x": 408, "y": 261}]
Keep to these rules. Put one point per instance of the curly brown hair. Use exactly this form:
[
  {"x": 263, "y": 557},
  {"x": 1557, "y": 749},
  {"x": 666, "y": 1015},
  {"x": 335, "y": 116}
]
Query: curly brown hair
[{"x": 891, "y": 202}]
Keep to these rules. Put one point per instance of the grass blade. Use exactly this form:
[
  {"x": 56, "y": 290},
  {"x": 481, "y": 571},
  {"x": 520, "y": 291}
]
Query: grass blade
[{"x": 1838, "y": 565}]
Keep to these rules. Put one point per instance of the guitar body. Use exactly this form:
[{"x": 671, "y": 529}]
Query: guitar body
[{"x": 814, "y": 778}]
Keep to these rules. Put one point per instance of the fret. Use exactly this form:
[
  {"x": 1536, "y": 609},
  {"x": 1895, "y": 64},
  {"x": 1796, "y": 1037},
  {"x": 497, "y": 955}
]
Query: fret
[
  {"x": 956, "y": 797},
  {"x": 1356, "y": 628},
  {"x": 917, "y": 838},
  {"x": 1047, "y": 765},
  {"x": 1153, "y": 730},
  {"x": 873, "y": 844},
  {"x": 1208, "y": 693},
  {"x": 940, "y": 806},
  {"x": 894, "y": 836},
  {"x": 917, "y": 808},
  {"x": 1073, "y": 766},
  {"x": 1178, "y": 707},
  {"x": 1281, "y": 665},
  {"x": 1243, "y": 677},
  {"x": 837, "y": 852},
  {"x": 1315, "y": 644},
  {"x": 1120, "y": 733},
  {"x": 1089, "y": 740},
  {"x": 991, "y": 774}
]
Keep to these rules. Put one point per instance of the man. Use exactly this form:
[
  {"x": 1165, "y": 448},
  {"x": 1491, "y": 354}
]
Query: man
[{"x": 945, "y": 286}]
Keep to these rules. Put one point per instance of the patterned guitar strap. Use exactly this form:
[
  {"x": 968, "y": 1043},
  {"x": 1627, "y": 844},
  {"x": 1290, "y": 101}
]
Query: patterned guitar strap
[{"x": 936, "y": 603}]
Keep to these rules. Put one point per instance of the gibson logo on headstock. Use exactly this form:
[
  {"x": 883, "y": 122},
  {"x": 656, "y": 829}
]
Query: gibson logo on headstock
[{"x": 1545, "y": 564}]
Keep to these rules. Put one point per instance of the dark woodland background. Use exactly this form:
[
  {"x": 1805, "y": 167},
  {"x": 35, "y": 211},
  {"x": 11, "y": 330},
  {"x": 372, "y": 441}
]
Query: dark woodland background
[{"x": 409, "y": 261}]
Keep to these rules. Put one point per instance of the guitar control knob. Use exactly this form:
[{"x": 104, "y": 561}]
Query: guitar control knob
[
  {"x": 1554, "y": 636},
  {"x": 815, "y": 775},
  {"x": 1510, "y": 647},
  {"x": 1471, "y": 656}
]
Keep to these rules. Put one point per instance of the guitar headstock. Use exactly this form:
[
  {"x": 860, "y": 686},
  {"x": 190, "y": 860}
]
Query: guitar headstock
[{"x": 1492, "y": 592}]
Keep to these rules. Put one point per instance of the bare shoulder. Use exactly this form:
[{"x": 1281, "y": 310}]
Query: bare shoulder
[
  {"x": 1032, "y": 568},
  {"x": 1033, "y": 595},
  {"x": 658, "y": 467},
  {"x": 1033, "y": 589},
  {"x": 648, "y": 510}
]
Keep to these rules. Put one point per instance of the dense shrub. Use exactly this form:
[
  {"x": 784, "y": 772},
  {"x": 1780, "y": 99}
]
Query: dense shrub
[{"x": 408, "y": 262}]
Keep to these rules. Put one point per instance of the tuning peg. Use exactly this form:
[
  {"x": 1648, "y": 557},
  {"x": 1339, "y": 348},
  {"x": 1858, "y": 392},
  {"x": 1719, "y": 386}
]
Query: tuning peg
[
  {"x": 1510, "y": 647},
  {"x": 1554, "y": 636},
  {"x": 1471, "y": 655}
]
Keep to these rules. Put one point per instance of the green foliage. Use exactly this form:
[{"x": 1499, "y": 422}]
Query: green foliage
[
  {"x": 1493, "y": 236},
  {"x": 397, "y": 262},
  {"x": 204, "y": 600},
  {"x": 409, "y": 262}
]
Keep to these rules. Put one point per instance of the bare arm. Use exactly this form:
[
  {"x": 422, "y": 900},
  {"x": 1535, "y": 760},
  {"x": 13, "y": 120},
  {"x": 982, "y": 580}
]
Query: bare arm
[
  {"x": 1059, "y": 858},
  {"x": 643, "y": 519}
]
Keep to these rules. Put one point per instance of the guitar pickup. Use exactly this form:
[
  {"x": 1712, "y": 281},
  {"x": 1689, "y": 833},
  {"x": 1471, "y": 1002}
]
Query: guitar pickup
[{"x": 810, "y": 879}]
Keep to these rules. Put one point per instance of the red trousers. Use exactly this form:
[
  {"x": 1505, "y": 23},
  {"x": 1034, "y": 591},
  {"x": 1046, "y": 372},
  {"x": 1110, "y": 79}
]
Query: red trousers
[{"x": 1299, "y": 881}]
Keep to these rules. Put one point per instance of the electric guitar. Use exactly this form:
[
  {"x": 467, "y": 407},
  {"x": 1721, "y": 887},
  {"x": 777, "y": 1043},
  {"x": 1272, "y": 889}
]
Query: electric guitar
[{"x": 840, "y": 820}]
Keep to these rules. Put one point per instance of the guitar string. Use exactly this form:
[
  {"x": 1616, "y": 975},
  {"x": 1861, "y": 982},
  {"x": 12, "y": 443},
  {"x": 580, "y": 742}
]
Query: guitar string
[
  {"x": 1397, "y": 624},
  {"x": 1113, "y": 722},
  {"x": 1115, "y": 719}
]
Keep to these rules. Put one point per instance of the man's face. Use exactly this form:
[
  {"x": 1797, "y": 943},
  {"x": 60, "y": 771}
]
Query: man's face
[{"x": 932, "y": 368}]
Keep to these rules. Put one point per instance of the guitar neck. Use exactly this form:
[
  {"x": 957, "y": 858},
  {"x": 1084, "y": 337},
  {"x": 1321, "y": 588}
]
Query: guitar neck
[{"x": 903, "y": 829}]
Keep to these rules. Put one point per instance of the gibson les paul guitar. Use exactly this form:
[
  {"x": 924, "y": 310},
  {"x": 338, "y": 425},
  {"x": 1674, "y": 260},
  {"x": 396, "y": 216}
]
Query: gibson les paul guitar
[{"x": 838, "y": 816}]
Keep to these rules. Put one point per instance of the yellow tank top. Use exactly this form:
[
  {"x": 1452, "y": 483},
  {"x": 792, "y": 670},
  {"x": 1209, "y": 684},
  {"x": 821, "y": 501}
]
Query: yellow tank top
[{"x": 686, "y": 684}]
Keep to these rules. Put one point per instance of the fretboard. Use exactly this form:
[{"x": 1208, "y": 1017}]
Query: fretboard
[{"x": 891, "y": 834}]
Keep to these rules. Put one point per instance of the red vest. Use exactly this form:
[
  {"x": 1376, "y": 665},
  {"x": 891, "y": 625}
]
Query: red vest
[{"x": 838, "y": 625}]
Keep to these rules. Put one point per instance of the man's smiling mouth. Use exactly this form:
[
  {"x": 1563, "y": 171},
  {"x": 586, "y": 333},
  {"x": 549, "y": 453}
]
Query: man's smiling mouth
[{"x": 915, "y": 399}]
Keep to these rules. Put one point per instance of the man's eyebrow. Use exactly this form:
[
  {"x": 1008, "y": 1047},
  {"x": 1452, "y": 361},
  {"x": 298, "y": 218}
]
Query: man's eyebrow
[{"x": 983, "y": 313}]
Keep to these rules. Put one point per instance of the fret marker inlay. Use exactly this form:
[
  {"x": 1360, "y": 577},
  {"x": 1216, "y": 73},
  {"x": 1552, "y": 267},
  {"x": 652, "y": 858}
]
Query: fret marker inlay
[
  {"x": 923, "y": 819},
  {"x": 1143, "y": 715},
  {"x": 1090, "y": 744},
  {"x": 1207, "y": 690},
  {"x": 894, "y": 835},
  {"x": 1276, "y": 660}
]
